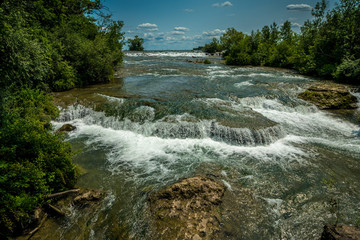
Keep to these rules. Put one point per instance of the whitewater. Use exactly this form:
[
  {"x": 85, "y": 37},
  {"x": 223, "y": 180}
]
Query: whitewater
[{"x": 164, "y": 118}]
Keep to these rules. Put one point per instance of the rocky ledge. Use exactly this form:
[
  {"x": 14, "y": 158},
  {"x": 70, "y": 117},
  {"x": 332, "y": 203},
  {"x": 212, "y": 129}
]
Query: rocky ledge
[
  {"x": 340, "y": 232},
  {"x": 329, "y": 96},
  {"x": 188, "y": 209}
]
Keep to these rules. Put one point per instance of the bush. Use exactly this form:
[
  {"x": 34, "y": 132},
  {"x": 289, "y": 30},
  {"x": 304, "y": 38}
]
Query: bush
[
  {"x": 33, "y": 161},
  {"x": 348, "y": 70}
]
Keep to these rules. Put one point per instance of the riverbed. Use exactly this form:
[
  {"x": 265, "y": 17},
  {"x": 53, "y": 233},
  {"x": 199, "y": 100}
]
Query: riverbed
[{"x": 289, "y": 167}]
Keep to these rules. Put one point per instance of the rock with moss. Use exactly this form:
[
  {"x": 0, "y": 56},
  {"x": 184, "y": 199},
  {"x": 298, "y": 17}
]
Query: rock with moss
[
  {"x": 66, "y": 128},
  {"x": 329, "y": 96},
  {"x": 340, "y": 232},
  {"x": 188, "y": 209}
]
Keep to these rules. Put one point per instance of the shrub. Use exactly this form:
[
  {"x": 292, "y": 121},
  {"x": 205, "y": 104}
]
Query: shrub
[
  {"x": 33, "y": 161},
  {"x": 348, "y": 70}
]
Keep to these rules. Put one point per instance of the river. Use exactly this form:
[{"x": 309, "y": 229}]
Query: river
[{"x": 289, "y": 168}]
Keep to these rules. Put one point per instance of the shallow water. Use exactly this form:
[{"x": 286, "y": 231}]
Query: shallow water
[{"x": 164, "y": 118}]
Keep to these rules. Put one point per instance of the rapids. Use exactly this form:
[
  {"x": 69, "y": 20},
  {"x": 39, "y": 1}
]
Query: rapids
[{"x": 163, "y": 118}]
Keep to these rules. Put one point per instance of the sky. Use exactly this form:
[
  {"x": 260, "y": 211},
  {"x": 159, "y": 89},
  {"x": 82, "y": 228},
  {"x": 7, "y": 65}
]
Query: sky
[{"x": 185, "y": 24}]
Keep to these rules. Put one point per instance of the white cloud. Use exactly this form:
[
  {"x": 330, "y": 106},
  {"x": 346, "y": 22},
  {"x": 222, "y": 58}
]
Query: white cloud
[
  {"x": 177, "y": 32},
  {"x": 149, "y": 35},
  {"x": 224, "y": 4},
  {"x": 181, "y": 29},
  {"x": 170, "y": 39},
  {"x": 299, "y": 7},
  {"x": 214, "y": 33},
  {"x": 189, "y": 10},
  {"x": 186, "y": 38},
  {"x": 148, "y": 27},
  {"x": 296, "y": 25}
]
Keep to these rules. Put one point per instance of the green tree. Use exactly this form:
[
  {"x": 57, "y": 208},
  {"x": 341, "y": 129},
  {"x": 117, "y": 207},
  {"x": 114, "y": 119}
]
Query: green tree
[
  {"x": 45, "y": 45},
  {"x": 212, "y": 47},
  {"x": 136, "y": 44}
]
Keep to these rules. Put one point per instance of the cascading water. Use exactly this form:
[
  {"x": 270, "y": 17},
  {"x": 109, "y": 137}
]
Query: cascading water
[{"x": 166, "y": 118}]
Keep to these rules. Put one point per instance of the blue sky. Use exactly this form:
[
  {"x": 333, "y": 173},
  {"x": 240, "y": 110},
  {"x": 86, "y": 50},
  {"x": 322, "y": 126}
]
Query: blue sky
[{"x": 185, "y": 24}]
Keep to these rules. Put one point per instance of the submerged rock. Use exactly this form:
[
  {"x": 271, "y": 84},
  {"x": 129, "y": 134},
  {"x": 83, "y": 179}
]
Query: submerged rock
[
  {"x": 187, "y": 209},
  {"x": 66, "y": 128},
  {"x": 329, "y": 96},
  {"x": 340, "y": 232},
  {"x": 87, "y": 197}
]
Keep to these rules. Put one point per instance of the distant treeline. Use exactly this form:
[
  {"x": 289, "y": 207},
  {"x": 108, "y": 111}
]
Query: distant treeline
[
  {"x": 328, "y": 46},
  {"x": 45, "y": 46}
]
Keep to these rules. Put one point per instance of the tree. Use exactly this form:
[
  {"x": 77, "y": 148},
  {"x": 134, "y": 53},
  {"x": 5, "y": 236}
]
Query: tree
[
  {"x": 212, "y": 47},
  {"x": 136, "y": 44}
]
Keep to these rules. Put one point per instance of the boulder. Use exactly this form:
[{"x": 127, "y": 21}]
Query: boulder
[
  {"x": 340, "y": 232},
  {"x": 66, "y": 128},
  {"x": 329, "y": 96},
  {"x": 187, "y": 209},
  {"x": 87, "y": 197}
]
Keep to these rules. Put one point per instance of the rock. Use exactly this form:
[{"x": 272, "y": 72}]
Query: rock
[
  {"x": 187, "y": 209},
  {"x": 66, "y": 128},
  {"x": 329, "y": 96},
  {"x": 340, "y": 232},
  {"x": 88, "y": 197}
]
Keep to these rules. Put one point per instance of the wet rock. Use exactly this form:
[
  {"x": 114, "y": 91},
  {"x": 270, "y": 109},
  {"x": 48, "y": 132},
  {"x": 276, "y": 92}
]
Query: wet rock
[
  {"x": 66, "y": 128},
  {"x": 330, "y": 96},
  {"x": 187, "y": 209},
  {"x": 340, "y": 232},
  {"x": 89, "y": 196}
]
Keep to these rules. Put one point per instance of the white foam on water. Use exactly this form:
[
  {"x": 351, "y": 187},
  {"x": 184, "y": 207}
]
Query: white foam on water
[
  {"x": 157, "y": 154},
  {"x": 165, "y": 54},
  {"x": 243, "y": 84},
  {"x": 112, "y": 99},
  {"x": 227, "y": 185},
  {"x": 109, "y": 201},
  {"x": 224, "y": 173},
  {"x": 254, "y": 75},
  {"x": 274, "y": 205},
  {"x": 309, "y": 123}
]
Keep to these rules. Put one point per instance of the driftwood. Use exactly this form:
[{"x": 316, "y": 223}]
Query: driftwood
[
  {"x": 60, "y": 194},
  {"x": 56, "y": 210},
  {"x": 38, "y": 227}
]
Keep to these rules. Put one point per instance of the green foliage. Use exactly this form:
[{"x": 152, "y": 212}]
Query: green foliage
[
  {"x": 207, "y": 61},
  {"x": 348, "y": 70},
  {"x": 136, "y": 44},
  {"x": 212, "y": 47},
  {"x": 54, "y": 44},
  {"x": 33, "y": 161},
  {"x": 45, "y": 45},
  {"x": 328, "y": 46}
]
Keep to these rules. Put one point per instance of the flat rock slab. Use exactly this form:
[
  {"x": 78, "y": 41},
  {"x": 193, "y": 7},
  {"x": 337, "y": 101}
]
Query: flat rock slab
[
  {"x": 340, "y": 232},
  {"x": 187, "y": 209},
  {"x": 329, "y": 96}
]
